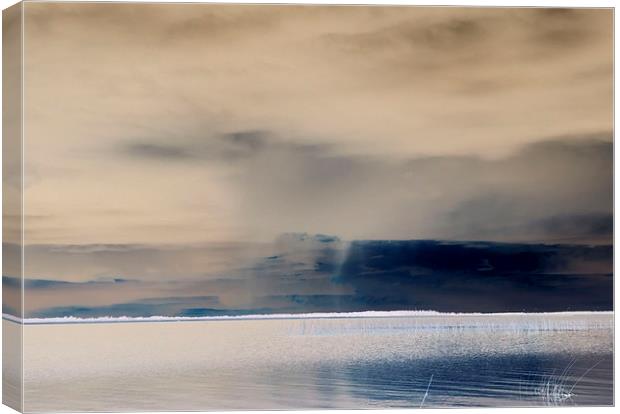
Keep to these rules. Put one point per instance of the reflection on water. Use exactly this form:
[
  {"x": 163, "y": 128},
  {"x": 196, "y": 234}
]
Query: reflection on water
[
  {"x": 290, "y": 364},
  {"x": 482, "y": 381}
]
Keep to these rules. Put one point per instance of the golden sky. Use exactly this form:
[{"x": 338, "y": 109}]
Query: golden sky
[{"x": 186, "y": 123}]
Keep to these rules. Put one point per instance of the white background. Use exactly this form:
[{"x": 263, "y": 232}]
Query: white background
[{"x": 556, "y": 3}]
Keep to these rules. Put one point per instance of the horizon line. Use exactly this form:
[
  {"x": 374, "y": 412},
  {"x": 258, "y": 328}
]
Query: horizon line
[{"x": 276, "y": 316}]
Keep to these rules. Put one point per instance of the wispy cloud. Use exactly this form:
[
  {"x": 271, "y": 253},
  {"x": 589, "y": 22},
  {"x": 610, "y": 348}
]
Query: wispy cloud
[{"x": 242, "y": 122}]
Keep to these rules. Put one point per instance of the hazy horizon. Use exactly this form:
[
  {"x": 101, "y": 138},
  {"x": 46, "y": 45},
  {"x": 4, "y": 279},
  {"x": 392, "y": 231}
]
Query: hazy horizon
[{"x": 207, "y": 159}]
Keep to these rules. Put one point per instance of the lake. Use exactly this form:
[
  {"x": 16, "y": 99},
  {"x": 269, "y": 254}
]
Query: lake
[{"x": 425, "y": 360}]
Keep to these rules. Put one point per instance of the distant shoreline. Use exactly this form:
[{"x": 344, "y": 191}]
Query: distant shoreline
[{"x": 280, "y": 316}]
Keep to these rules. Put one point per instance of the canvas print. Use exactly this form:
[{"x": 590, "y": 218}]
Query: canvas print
[{"x": 220, "y": 207}]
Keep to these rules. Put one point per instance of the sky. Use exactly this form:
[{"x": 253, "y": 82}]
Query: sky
[
  {"x": 200, "y": 123},
  {"x": 172, "y": 142}
]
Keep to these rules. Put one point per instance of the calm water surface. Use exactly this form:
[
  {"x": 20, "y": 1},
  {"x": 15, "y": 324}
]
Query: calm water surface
[{"x": 442, "y": 361}]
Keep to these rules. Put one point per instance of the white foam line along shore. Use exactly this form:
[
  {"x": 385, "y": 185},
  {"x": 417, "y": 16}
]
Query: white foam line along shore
[{"x": 331, "y": 315}]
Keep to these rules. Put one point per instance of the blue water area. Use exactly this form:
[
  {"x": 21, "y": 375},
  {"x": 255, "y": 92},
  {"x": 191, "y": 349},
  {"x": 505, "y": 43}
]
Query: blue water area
[
  {"x": 398, "y": 362},
  {"x": 510, "y": 380}
]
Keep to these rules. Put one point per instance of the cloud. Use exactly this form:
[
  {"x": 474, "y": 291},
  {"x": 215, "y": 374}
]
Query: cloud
[
  {"x": 284, "y": 185},
  {"x": 200, "y": 133},
  {"x": 438, "y": 197},
  {"x": 562, "y": 28},
  {"x": 215, "y": 147},
  {"x": 206, "y": 123},
  {"x": 579, "y": 226},
  {"x": 450, "y": 34},
  {"x": 474, "y": 277},
  {"x": 158, "y": 151},
  {"x": 172, "y": 306},
  {"x": 321, "y": 274},
  {"x": 153, "y": 262},
  {"x": 239, "y": 275},
  {"x": 438, "y": 43}
]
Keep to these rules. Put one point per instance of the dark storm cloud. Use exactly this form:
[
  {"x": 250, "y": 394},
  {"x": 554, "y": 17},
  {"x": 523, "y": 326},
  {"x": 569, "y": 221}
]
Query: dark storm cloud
[
  {"x": 224, "y": 147},
  {"x": 445, "y": 35},
  {"x": 158, "y": 151},
  {"x": 588, "y": 225},
  {"x": 287, "y": 185},
  {"x": 557, "y": 27},
  {"x": 321, "y": 274},
  {"x": 480, "y": 277},
  {"x": 556, "y": 190},
  {"x": 445, "y": 197},
  {"x": 251, "y": 140}
]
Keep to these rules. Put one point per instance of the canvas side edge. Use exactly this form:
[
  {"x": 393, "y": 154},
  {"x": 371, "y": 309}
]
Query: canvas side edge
[{"x": 12, "y": 204}]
